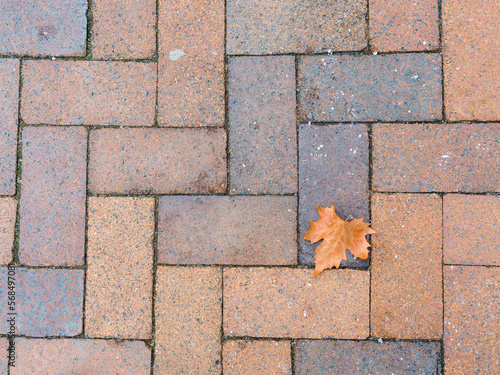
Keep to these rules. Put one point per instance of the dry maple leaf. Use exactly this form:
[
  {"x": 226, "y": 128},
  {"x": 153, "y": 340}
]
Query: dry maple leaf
[{"x": 338, "y": 236}]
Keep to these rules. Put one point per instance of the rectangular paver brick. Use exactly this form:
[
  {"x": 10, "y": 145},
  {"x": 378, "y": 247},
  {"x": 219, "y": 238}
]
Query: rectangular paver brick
[
  {"x": 49, "y": 302},
  {"x": 158, "y": 161},
  {"x": 262, "y": 125},
  {"x": 263, "y": 357},
  {"x": 53, "y": 190},
  {"x": 187, "y": 318},
  {"x": 471, "y": 320},
  {"x": 4, "y": 347},
  {"x": 270, "y": 27},
  {"x": 43, "y": 27},
  {"x": 227, "y": 230},
  {"x": 119, "y": 267},
  {"x": 9, "y": 99},
  {"x": 397, "y": 25},
  {"x": 80, "y": 356},
  {"x": 191, "y": 63},
  {"x": 8, "y": 209},
  {"x": 88, "y": 93},
  {"x": 367, "y": 357},
  {"x": 399, "y": 87},
  {"x": 470, "y": 59},
  {"x": 333, "y": 167},
  {"x": 436, "y": 157},
  {"x": 471, "y": 229},
  {"x": 291, "y": 303},
  {"x": 123, "y": 29},
  {"x": 406, "y": 282}
]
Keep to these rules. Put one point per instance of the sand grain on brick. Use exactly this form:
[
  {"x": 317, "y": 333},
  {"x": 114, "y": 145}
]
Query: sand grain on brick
[
  {"x": 120, "y": 267},
  {"x": 367, "y": 357},
  {"x": 404, "y": 25},
  {"x": 333, "y": 167},
  {"x": 471, "y": 320},
  {"x": 9, "y": 99},
  {"x": 191, "y": 63},
  {"x": 49, "y": 302},
  {"x": 88, "y": 93},
  {"x": 53, "y": 189},
  {"x": 286, "y": 302},
  {"x": 227, "y": 230},
  {"x": 262, "y": 125},
  {"x": 81, "y": 356},
  {"x": 471, "y": 229},
  {"x": 406, "y": 282},
  {"x": 250, "y": 357},
  {"x": 257, "y": 27},
  {"x": 8, "y": 211},
  {"x": 345, "y": 88},
  {"x": 470, "y": 59},
  {"x": 123, "y": 29},
  {"x": 43, "y": 28},
  {"x": 157, "y": 161},
  {"x": 436, "y": 157},
  {"x": 187, "y": 316}
]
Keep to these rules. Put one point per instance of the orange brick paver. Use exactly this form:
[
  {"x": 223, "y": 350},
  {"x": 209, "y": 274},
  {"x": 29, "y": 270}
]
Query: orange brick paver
[{"x": 161, "y": 161}]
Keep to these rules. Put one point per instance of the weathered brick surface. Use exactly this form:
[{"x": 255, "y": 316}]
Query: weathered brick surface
[
  {"x": 401, "y": 87},
  {"x": 159, "y": 161},
  {"x": 88, "y": 93},
  {"x": 8, "y": 208},
  {"x": 80, "y": 356},
  {"x": 53, "y": 189},
  {"x": 404, "y": 25},
  {"x": 470, "y": 52},
  {"x": 262, "y": 125},
  {"x": 43, "y": 28},
  {"x": 9, "y": 97},
  {"x": 49, "y": 302},
  {"x": 471, "y": 320},
  {"x": 286, "y": 302},
  {"x": 367, "y": 357},
  {"x": 4, "y": 346},
  {"x": 436, "y": 157},
  {"x": 471, "y": 229},
  {"x": 269, "y": 27},
  {"x": 227, "y": 230},
  {"x": 333, "y": 167},
  {"x": 120, "y": 267},
  {"x": 123, "y": 29},
  {"x": 191, "y": 63},
  {"x": 250, "y": 357},
  {"x": 406, "y": 282},
  {"x": 187, "y": 317}
]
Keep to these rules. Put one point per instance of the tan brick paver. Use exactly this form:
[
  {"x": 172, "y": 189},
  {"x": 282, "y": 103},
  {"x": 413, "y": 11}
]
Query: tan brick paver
[
  {"x": 120, "y": 267},
  {"x": 249, "y": 357},
  {"x": 8, "y": 210},
  {"x": 406, "y": 280},
  {"x": 285, "y": 302},
  {"x": 471, "y": 320},
  {"x": 80, "y": 356},
  {"x": 471, "y": 229},
  {"x": 88, "y": 93},
  {"x": 187, "y": 317},
  {"x": 123, "y": 29},
  {"x": 191, "y": 63}
]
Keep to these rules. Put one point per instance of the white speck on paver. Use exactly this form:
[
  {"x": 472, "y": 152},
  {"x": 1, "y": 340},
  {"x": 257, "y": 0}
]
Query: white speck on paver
[
  {"x": 445, "y": 156},
  {"x": 289, "y": 304},
  {"x": 176, "y": 54},
  {"x": 415, "y": 77},
  {"x": 214, "y": 53},
  {"x": 380, "y": 341},
  {"x": 375, "y": 53}
]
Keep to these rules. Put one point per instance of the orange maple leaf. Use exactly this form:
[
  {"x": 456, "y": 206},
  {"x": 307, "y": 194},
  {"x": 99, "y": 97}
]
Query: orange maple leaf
[{"x": 338, "y": 236}]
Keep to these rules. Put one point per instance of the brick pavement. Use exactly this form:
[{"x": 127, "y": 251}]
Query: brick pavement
[{"x": 160, "y": 162}]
